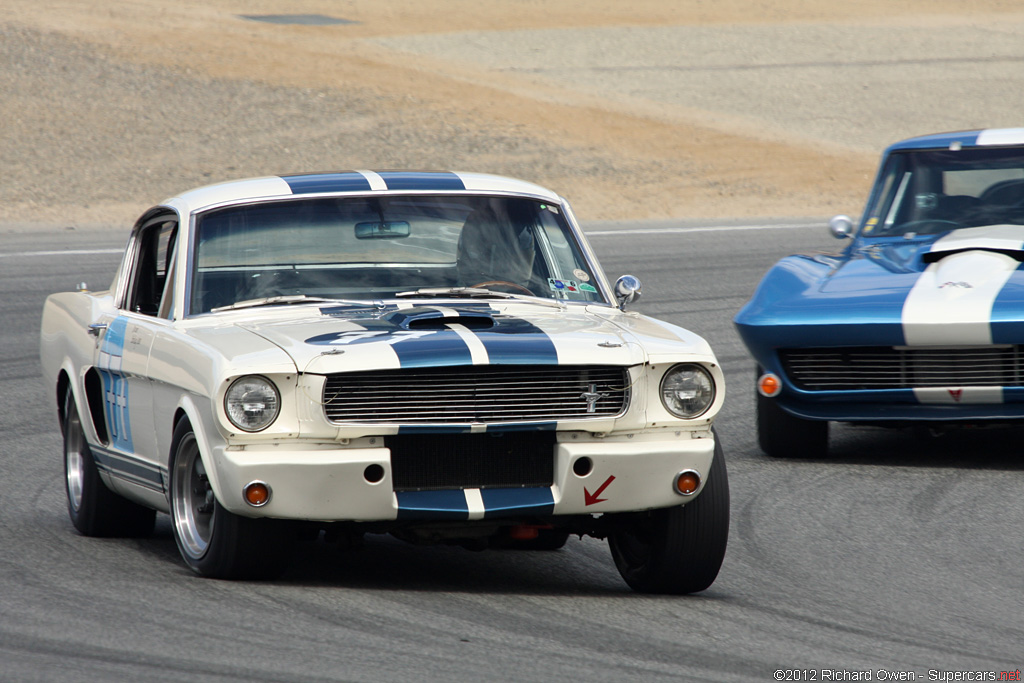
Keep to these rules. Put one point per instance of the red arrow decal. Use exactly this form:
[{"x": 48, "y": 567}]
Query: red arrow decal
[
  {"x": 956, "y": 393},
  {"x": 592, "y": 498}
]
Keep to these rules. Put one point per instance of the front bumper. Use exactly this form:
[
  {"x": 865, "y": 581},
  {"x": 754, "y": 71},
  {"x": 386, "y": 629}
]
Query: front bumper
[
  {"x": 325, "y": 482},
  {"x": 943, "y": 404}
]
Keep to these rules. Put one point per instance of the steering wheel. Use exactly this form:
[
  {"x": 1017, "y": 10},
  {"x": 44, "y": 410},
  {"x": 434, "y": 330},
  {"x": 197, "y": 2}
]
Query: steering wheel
[
  {"x": 929, "y": 225},
  {"x": 502, "y": 283}
]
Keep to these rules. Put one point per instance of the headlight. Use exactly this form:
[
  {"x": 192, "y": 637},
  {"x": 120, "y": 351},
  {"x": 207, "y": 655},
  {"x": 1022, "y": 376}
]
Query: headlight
[
  {"x": 687, "y": 391},
  {"x": 252, "y": 403}
]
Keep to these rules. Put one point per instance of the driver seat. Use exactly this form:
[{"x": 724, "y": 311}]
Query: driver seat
[{"x": 493, "y": 247}]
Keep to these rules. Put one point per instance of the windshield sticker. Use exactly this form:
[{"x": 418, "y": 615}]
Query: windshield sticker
[
  {"x": 563, "y": 285},
  {"x": 581, "y": 275},
  {"x": 870, "y": 227},
  {"x": 587, "y": 288}
]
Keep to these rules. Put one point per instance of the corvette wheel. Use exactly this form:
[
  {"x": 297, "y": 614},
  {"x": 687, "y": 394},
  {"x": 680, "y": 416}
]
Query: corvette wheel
[
  {"x": 782, "y": 435},
  {"x": 677, "y": 550},
  {"x": 94, "y": 509},
  {"x": 212, "y": 541}
]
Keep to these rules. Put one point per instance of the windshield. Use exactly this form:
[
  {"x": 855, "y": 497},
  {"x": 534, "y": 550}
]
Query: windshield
[
  {"x": 380, "y": 247},
  {"x": 922, "y": 192}
]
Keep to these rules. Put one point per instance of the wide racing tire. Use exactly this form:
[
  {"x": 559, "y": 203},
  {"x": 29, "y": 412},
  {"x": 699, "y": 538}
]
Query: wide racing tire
[
  {"x": 782, "y": 435},
  {"x": 677, "y": 550},
  {"x": 94, "y": 509},
  {"x": 213, "y": 541}
]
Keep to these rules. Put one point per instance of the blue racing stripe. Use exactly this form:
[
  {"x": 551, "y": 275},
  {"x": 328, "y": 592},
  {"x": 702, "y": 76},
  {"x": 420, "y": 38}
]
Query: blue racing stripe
[
  {"x": 115, "y": 385},
  {"x": 512, "y": 502},
  {"x": 433, "y": 429},
  {"x": 438, "y": 348},
  {"x": 514, "y": 341},
  {"x": 129, "y": 468},
  {"x": 403, "y": 180},
  {"x": 447, "y": 504},
  {"x": 327, "y": 182},
  {"x": 1006, "y": 324},
  {"x": 529, "y": 427}
]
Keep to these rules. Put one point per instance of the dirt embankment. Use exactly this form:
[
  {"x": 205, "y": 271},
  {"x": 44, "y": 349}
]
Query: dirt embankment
[{"x": 109, "y": 107}]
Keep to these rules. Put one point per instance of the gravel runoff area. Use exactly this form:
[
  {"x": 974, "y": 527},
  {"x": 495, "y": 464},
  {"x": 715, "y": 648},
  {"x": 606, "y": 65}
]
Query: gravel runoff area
[{"x": 702, "y": 110}]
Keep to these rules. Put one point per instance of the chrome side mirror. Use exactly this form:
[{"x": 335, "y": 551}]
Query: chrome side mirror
[
  {"x": 841, "y": 227},
  {"x": 627, "y": 290}
]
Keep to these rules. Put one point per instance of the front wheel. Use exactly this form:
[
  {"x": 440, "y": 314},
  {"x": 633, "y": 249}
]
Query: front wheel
[
  {"x": 212, "y": 541},
  {"x": 94, "y": 509},
  {"x": 677, "y": 550},
  {"x": 782, "y": 435}
]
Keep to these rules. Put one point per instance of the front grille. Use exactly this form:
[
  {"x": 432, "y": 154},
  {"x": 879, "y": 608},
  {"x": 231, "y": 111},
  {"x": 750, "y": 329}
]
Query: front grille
[
  {"x": 881, "y": 367},
  {"x": 487, "y": 394},
  {"x": 424, "y": 462}
]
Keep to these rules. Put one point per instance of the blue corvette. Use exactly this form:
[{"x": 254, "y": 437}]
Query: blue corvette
[{"x": 919, "y": 320}]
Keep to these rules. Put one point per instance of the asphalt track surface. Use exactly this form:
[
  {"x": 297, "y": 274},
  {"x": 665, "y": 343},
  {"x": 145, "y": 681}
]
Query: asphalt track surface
[{"x": 892, "y": 555}]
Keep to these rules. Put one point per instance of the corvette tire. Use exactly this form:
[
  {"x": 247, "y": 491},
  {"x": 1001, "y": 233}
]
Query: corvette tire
[
  {"x": 214, "y": 542},
  {"x": 94, "y": 509},
  {"x": 677, "y": 550},
  {"x": 782, "y": 435}
]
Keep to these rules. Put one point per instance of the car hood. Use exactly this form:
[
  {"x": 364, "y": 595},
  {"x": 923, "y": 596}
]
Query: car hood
[
  {"x": 348, "y": 338},
  {"x": 963, "y": 287}
]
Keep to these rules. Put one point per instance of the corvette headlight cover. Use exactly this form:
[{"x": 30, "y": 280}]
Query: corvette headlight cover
[
  {"x": 252, "y": 403},
  {"x": 687, "y": 390}
]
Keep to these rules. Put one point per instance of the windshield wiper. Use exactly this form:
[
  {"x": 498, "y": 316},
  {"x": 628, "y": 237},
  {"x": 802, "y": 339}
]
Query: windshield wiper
[
  {"x": 284, "y": 299},
  {"x": 455, "y": 292},
  {"x": 474, "y": 293}
]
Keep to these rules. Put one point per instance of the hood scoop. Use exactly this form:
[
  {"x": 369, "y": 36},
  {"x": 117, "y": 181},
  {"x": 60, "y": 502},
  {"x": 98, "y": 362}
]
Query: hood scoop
[
  {"x": 1007, "y": 240},
  {"x": 936, "y": 256},
  {"x": 430, "y": 318}
]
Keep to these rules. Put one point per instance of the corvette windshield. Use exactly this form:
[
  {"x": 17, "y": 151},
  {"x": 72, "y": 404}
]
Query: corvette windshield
[
  {"x": 378, "y": 247},
  {"x": 921, "y": 192}
]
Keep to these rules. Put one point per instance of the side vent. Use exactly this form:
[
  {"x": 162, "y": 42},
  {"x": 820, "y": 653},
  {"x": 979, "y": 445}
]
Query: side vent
[{"x": 94, "y": 396}]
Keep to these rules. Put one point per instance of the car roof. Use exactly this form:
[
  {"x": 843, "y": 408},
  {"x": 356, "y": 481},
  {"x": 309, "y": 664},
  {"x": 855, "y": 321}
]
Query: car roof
[
  {"x": 963, "y": 139},
  {"x": 355, "y": 182}
]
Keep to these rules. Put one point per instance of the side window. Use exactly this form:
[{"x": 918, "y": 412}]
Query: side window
[{"x": 155, "y": 250}]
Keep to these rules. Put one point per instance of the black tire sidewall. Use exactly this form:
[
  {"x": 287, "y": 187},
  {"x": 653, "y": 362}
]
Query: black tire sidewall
[
  {"x": 238, "y": 547},
  {"x": 685, "y": 546}
]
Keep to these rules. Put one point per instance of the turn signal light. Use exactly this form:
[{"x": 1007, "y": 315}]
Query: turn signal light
[
  {"x": 687, "y": 482},
  {"x": 769, "y": 384},
  {"x": 256, "y": 494}
]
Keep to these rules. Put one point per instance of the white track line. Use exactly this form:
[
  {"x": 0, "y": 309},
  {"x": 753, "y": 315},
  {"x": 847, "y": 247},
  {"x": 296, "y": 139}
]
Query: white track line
[
  {"x": 68, "y": 252},
  {"x": 720, "y": 228},
  {"x": 589, "y": 233}
]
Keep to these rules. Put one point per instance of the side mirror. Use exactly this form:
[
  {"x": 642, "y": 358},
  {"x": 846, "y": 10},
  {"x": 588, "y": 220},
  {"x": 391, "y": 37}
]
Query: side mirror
[
  {"x": 841, "y": 227},
  {"x": 627, "y": 290}
]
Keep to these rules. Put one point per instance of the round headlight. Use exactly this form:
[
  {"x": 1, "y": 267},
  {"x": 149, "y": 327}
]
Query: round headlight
[
  {"x": 687, "y": 391},
  {"x": 252, "y": 403}
]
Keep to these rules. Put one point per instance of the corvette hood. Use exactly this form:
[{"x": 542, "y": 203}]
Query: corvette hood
[
  {"x": 964, "y": 288},
  {"x": 346, "y": 338}
]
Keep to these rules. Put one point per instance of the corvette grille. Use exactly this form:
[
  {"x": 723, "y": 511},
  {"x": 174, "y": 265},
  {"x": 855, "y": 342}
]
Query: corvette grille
[
  {"x": 479, "y": 394},
  {"x": 881, "y": 367}
]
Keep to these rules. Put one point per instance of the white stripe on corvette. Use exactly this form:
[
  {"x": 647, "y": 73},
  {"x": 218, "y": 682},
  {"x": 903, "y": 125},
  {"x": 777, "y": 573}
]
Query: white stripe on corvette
[
  {"x": 376, "y": 182},
  {"x": 954, "y": 395},
  {"x": 475, "y": 503},
  {"x": 1010, "y": 237},
  {"x": 951, "y": 302},
  {"x": 477, "y": 351}
]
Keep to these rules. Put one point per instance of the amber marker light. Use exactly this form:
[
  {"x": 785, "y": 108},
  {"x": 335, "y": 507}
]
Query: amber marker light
[
  {"x": 769, "y": 385},
  {"x": 257, "y": 494},
  {"x": 687, "y": 482}
]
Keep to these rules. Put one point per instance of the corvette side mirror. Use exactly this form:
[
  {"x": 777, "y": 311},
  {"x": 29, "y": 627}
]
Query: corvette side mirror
[{"x": 841, "y": 227}]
